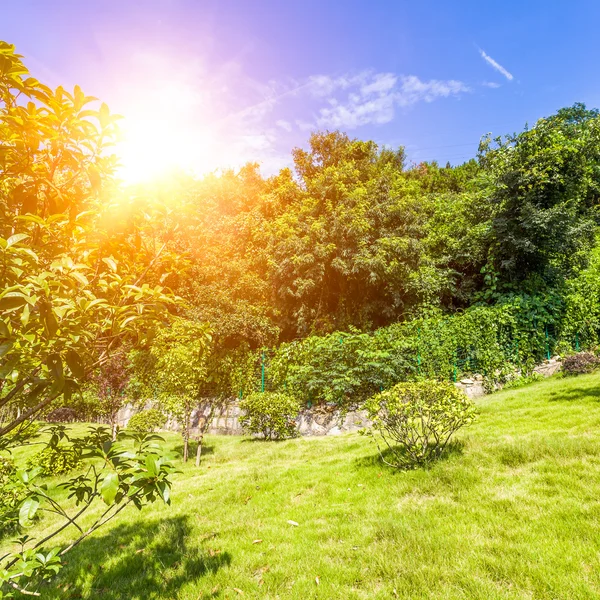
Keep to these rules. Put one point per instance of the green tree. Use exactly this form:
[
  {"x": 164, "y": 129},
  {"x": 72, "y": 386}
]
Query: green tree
[
  {"x": 79, "y": 276},
  {"x": 180, "y": 353},
  {"x": 544, "y": 187}
]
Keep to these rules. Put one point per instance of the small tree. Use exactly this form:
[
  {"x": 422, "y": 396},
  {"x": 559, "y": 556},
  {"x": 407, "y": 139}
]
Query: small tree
[
  {"x": 270, "y": 414},
  {"x": 111, "y": 380},
  {"x": 415, "y": 421},
  {"x": 181, "y": 352}
]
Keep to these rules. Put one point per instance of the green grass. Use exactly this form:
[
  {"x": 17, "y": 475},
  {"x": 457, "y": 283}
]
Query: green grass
[{"x": 514, "y": 514}]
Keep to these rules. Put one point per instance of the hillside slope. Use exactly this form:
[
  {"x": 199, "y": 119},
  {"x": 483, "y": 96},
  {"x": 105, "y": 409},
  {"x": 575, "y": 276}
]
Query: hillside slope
[{"x": 515, "y": 513}]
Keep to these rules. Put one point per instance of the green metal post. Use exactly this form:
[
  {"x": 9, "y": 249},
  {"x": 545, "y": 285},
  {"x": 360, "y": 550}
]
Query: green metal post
[
  {"x": 547, "y": 345},
  {"x": 577, "y": 341},
  {"x": 419, "y": 351},
  {"x": 262, "y": 373}
]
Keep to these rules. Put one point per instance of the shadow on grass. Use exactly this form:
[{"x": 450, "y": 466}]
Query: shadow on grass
[
  {"x": 262, "y": 440},
  {"x": 193, "y": 447},
  {"x": 575, "y": 394},
  {"x": 142, "y": 560},
  {"x": 400, "y": 457}
]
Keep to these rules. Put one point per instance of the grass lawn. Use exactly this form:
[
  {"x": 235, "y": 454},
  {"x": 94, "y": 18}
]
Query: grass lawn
[{"x": 515, "y": 514}]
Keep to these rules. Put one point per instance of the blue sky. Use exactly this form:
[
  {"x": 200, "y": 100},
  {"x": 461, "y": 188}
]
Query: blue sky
[{"x": 237, "y": 80}]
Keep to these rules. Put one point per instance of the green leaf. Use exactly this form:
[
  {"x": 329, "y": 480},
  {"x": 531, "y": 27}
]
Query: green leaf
[
  {"x": 50, "y": 323},
  {"x": 109, "y": 488},
  {"x": 28, "y": 509},
  {"x": 104, "y": 115},
  {"x": 54, "y": 363},
  {"x": 5, "y": 348},
  {"x": 12, "y": 301},
  {"x": 165, "y": 492},
  {"x": 80, "y": 278},
  {"x": 75, "y": 364},
  {"x": 151, "y": 465},
  {"x": 111, "y": 263},
  {"x": 15, "y": 239},
  {"x": 7, "y": 368},
  {"x": 4, "y": 331}
]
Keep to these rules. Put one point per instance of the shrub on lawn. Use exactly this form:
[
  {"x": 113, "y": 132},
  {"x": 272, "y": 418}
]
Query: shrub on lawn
[
  {"x": 580, "y": 363},
  {"x": 55, "y": 460},
  {"x": 415, "y": 421},
  {"x": 270, "y": 414},
  {"x": 64, "y": 414},
  {"x": 147, "y": 421}
]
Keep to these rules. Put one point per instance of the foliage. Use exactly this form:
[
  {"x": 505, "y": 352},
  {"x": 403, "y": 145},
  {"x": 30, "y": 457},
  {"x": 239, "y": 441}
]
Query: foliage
[
  {"x": 56, "y": 460},
  {"x": 116, "y": 474},
  {"x": 580, "y": 363},
  {"x": 11, "y": 495},
  {"x": 346, "y": 368},
  {"x": 543, "y": 184},
  {"x": 580, "y": 325},
  {"x": 110, "y": 381},
  {"x": 180, "y": 353},
  {"x": 72, "y": 274},
  {"x": 270, "y": 414},
  {"x": 342, "y": 368},
  {"x": 147, "y": 420},
  {"x": 82, "y": 270},
  {"x": 415, "y": 421}
]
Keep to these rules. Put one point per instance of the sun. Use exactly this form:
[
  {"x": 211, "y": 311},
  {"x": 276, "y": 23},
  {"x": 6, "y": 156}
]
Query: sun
[
  {"x": 166, "y": 127},
  {"x": 152, "y": 147}
]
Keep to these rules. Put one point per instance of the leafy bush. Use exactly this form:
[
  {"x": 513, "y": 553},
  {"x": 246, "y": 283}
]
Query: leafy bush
[
  {"x": 415, "y": 421},
  {"x": 11, "y": 495},
  {"x": 56, "y": 460},
  {"x": 63, "y": 414},
  {"x": 347, "y": 368},
  {"x": 580, "y": 363},
  {"x": 270, "y": 414},
  {"x": 147, "y": 421}
]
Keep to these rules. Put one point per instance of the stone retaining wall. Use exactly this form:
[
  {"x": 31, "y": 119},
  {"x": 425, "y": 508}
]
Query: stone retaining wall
[{"x": 321, "y": 420}]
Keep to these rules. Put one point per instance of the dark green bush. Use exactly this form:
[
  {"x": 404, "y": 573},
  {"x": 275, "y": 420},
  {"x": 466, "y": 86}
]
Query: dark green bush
[
  {"x": 412, "y": 423},
  {"x": 55, "y": 460},
  {"x": 270, "y": 414},
  {"x": 64, "y": 414},
  {"x": 580, "y": 363},
  {"x": 147, "y": 421}
]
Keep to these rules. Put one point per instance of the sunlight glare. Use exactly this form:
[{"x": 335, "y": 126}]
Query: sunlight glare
[{"x": 168, "y": 136}]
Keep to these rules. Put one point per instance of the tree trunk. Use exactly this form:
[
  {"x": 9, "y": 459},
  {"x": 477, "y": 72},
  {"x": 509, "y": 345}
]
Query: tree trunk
[
  {"x": 199, "y": 450},
  {"x": 114, "y": 429},
  {"x": 186, "y": 441}
]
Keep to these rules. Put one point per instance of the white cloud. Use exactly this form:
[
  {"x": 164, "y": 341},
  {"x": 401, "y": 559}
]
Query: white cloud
[
  {"x": 372, "y": 98},
  {"x": 286, "y": 125},
  {"x": 414, "y": 90},
  {"x": 488, "y": 59},
  {"x": 491, "y": 84}
]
